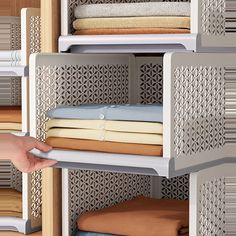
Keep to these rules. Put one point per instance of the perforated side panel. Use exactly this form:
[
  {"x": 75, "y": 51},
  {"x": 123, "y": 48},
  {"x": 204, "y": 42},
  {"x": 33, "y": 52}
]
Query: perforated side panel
[
  {"x": 15, "y": 36},
  {"x": 15, "y": 91},
  {"x": 16, "y": 178},
  {"x": 175, "y": 188},
  {"x": 213, "y": 17},
  {"x": 212, "y": 208},
  {"x": 149, "y": 77},
  {"x": 200, "y": 126},
  {"x": 95, "y": 190},
  {"x": 35, "y": 34},
  {"x": 5, "y": 174}
]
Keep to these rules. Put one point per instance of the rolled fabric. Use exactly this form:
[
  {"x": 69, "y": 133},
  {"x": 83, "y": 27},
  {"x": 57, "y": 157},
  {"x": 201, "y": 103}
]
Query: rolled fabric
[
  {"x": 139, "y": 216},
  {"x": 132, "y": 22},
  {"x": 132, "y": 9},
  {"x": 132, "y": 31},
  {"x": 109, "y": 147},
  {"x": 138, "y": 112},
  {"x": 10, "y": 114},
  {"x": 12, "y": 55},
  {"x": 121, "y": 137},
  {"x": 109, "y": 125},
  {"x": 83, "y": 233}
]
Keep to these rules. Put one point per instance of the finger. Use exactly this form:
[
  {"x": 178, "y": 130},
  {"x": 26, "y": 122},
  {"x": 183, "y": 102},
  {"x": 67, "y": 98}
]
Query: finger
[
  {"x": 42, "y": 146},
  {"x": 38, "y": 163}
]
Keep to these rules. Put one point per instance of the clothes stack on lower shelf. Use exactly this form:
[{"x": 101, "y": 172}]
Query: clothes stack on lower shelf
[
  {"x": 132, "y": 18},
  {"x": 139, "y": 216},
  {"x": 10, "y": 119},
  {"x": 10, "y": 203},
  {"x": 126, "y": 129}
]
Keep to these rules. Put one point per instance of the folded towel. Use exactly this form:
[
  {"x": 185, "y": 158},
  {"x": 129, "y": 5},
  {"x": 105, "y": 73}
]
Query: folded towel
[
  {"x": 109, "y": 125},
  {"x": 110, "y": 147},
  {"x": 7, "y": 131},
  {"x": 10, "y": 203},
  {"x": 132, "y": 22},
  {"x": 131, "y": 31},
  {"x": 150, "y": 113},
  {"x": 12, "y": 55},
  {"x": 10, "y": 126},
  {"x": 83, "y": 233},
  {"x": 101, "y": 135},
  {"x": 133, "y": 9},
  {"x": 10, "y": 114},
  {"x": 140, "y": 216}
]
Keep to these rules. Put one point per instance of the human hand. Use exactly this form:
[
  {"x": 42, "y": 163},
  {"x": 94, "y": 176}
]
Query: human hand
[{"x": 17, "y": 149}]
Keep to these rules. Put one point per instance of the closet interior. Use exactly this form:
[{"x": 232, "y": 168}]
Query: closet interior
[{"x": 177, "y": 71}]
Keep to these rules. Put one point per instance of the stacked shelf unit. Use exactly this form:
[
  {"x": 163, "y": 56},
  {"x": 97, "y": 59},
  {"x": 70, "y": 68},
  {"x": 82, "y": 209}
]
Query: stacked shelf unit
[
  {"x": 192, "y": 75},
  {"x": 15, "y": 83}
]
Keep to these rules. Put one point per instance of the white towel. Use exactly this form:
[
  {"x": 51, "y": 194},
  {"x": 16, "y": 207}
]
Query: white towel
[{"x": 133, "y": 9}]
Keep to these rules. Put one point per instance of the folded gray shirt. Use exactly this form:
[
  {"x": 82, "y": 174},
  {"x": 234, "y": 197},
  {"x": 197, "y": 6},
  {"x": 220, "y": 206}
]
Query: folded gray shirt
[
  {"x": 133, "y": 9},
  {"x": 148, "y": 113}
]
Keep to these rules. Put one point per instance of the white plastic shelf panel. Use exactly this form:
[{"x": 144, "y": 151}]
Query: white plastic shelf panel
[
  {"x": 213, "y": 28},
  {"x": 198, "y": 104},
  {"x": 14, "y": 71}
]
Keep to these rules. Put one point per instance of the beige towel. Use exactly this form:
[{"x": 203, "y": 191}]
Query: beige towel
[
  {"x": 101, "y": 135},
  {"x": 10, "y": 126},
  {"x": 132, "y": 22},
  {"x": 109, "y": 125}
]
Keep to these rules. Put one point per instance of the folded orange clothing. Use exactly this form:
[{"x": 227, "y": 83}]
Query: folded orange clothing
[
  {"x": 132, "y": 31},
  {"x": 138, "y": 217},
  {"x": 102, "y": 146},
  {"x": 10, "y": 114}
]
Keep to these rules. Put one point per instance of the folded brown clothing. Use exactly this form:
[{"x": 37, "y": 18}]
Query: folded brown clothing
[
  {"x": 10, "y": 203},
  {"x": 102, "y": 146},
  {"x": 138, "y": 217},
  {"x": 132, "y": 31},
  {"x": 10, "y": 114}
]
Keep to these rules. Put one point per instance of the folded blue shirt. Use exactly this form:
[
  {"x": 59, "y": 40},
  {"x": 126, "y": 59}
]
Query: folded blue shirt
[
  {"x": 83, "y": 233},
  {"x": 148, "y": 113}
]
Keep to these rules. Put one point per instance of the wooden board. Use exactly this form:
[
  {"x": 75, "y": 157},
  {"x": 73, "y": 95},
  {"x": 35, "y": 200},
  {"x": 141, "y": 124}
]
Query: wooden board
[
  {"x": 13, "y": 7},
  {"x": 51, "y": 183}
]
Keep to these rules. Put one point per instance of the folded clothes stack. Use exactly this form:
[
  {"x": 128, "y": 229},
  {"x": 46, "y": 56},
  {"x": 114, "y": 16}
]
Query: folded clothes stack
[
  {"x": 132, "y": 18},
  {"x": 139, "y": 216},
  {"x": 10, "y": 119},
  {"x": 126, "y": 129},
  {"x": 10, "y": 203}
]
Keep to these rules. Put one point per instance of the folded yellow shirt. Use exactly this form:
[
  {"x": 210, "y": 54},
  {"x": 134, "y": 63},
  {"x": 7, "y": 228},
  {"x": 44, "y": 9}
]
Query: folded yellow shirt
[
  {"x": 10, "y": 126},
  {"x": 103, "y": 135},
  {"x": 132, "y": 22},
  {"x": 109, "y": 125}
]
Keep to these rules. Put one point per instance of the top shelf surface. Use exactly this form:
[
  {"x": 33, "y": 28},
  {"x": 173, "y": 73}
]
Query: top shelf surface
[{"x": 148, "y": 43}]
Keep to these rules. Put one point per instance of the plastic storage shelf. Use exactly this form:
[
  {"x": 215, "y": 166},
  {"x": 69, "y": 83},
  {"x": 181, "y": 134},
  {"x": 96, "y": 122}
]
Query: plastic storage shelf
[
  {"x": 196, "y": 90},
  {"x": 28, "y": 184},
  {"x": 212, "y": 30}
]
